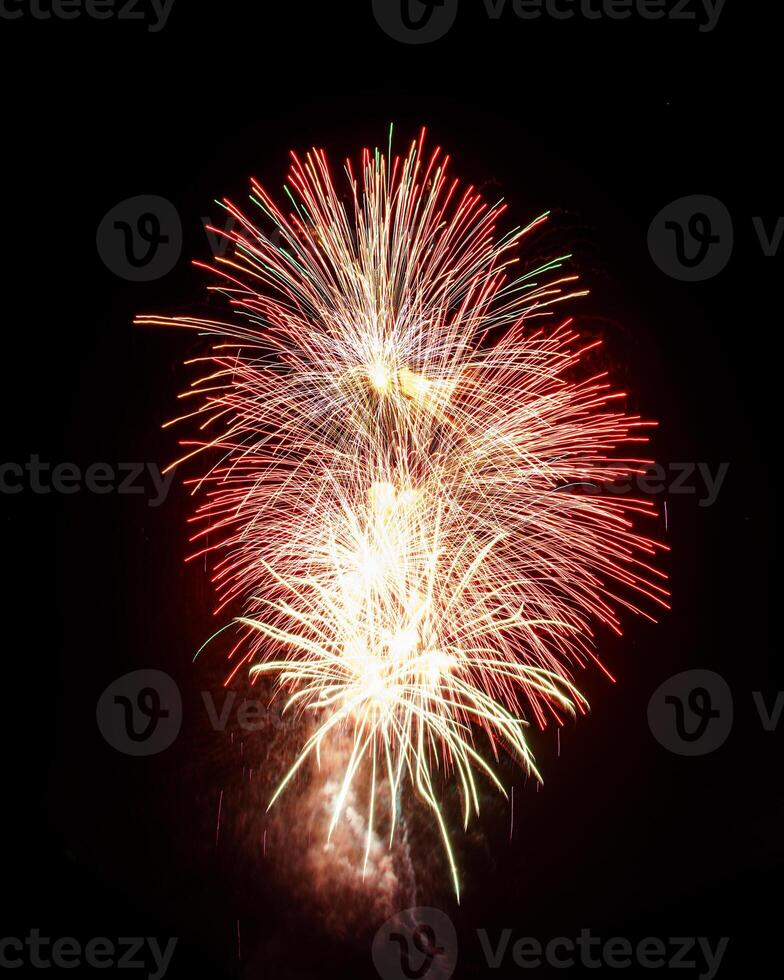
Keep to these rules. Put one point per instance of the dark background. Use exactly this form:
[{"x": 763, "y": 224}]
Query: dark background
[{"x": 602, "y": 122}]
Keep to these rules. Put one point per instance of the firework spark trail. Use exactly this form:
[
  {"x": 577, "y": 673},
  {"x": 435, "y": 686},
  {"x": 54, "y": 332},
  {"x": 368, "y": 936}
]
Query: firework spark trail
[{"x": 399, "y": 496}]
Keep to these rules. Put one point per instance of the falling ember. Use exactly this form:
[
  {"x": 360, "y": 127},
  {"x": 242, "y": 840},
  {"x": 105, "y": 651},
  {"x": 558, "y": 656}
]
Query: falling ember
[
  {"x": 511, "y": 816},
  {"x": 403, "y": 498}
]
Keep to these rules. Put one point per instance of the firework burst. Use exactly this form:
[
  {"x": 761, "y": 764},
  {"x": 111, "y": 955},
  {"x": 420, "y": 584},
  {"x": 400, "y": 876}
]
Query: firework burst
[{"x": 403, "y": 464}]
